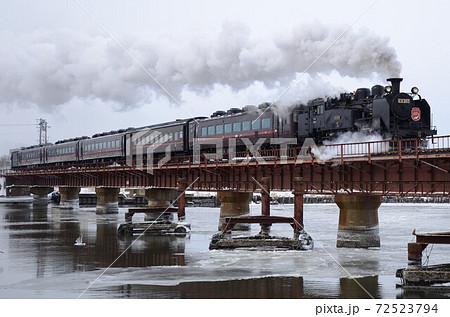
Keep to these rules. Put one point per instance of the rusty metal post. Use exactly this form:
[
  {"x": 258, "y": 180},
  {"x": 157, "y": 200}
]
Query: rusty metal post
[
  {"x": 182, "y": 185},
  {"x": 299, "y": 190},
  {"x": 415, "y": 253},
  {"x": 265, "y": 203}
]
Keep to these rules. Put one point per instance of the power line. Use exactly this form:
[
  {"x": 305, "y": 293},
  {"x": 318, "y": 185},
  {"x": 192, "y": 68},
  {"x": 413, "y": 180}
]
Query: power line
[{"x": 16, "y": 124}]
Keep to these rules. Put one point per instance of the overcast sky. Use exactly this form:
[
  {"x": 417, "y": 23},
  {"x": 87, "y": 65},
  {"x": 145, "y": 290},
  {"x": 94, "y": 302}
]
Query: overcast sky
[{"x": 89, "y": 66}]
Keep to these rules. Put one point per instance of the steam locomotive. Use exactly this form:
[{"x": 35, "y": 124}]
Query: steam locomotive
[{"x": 383, "y": 109}]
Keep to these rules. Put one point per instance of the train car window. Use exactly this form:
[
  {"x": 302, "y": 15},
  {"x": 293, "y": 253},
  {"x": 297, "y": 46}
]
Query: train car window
[
  {"x": 256, "y": 125},
  {"x": 236, "y": 126},
  {"x": 219, "y": 129},
  {"x": 211, "y": 130},
  {"x": 321, "y": 109},
  {"x": 204, "y": 131},
  {"x": 175, "y": 136},
  {"x": 228, "y": 128},
  {"x": 245, "y": 125},
  {"x": 265, "y": 123}
]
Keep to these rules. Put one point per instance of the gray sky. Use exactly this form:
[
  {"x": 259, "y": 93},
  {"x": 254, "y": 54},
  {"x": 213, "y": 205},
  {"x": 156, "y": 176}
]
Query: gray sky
[{"x": 57, "y": 63}]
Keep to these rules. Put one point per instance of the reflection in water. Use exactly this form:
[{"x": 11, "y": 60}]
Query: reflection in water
[
  {"x": 43, "y": 237},
  {"x": 358, "y": 288},
  {"x": 263, "y": 288},
  {"x": 145, "y": 251},
  {"x": 270, "y": 287},
  {"x": 39, "y": 259}
]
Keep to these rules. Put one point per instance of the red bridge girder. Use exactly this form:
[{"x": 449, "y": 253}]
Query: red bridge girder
[{"x": 358, "y": 168}]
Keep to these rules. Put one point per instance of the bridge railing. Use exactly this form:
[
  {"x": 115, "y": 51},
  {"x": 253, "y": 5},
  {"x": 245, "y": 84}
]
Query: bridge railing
[{"x": 391, "y": 149}]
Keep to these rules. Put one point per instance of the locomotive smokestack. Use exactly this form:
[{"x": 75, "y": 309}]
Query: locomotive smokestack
[{"x": 395, "y": 82}]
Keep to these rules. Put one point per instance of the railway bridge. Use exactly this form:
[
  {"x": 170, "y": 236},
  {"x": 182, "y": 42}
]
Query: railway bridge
[{"x": 357, "y": 174}]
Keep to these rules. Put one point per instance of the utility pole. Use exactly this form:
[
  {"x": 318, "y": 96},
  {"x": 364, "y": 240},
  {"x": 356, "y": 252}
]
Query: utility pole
[{"x": 43, "y": 126}]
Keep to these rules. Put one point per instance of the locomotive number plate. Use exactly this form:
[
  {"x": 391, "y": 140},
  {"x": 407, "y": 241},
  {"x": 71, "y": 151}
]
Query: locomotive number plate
[
  {"x": 415, "y": 114},
  {"x": 403, "y": 100}
]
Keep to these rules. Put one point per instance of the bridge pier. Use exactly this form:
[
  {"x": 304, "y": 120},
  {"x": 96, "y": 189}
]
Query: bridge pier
[
  {"x": 17, "y": 191},
  {"x": 233, "y": 204},
  {"x": 358, "y": 221},
  {"x": 70, "y": 198},
  {"x": 107, "y": 200},
  {"x": 160, "y": 198},
  {"x": 40, "y": 194}
]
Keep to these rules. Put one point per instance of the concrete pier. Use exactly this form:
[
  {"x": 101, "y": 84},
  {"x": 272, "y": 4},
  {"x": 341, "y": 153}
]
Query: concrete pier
[
  {"x": 234, "y": 204},
  {"x": 107, "y": 200},
  {"x": 17, "y": 191},
  {"x": 70, "y": 198},
  {"x": 159, "y": 198},
  {"x": 358, "y": 221},
  {"x": 40, "y": 194}
]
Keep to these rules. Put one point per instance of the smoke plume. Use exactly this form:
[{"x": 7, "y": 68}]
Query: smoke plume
[
  {"x": 49, "y": 68},
  {"x": 351, "y": 144}
]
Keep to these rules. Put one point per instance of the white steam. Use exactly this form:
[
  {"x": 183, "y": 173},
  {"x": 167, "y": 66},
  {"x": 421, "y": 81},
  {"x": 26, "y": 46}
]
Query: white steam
[
  {"x": 351, "y": 144},
  {"x": 52, "y": 68}
]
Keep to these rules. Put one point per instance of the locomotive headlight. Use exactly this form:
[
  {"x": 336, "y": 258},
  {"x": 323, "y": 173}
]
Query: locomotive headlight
[
  {"x": 388, "y": 89},
  {"x": 415, "y": 90}
]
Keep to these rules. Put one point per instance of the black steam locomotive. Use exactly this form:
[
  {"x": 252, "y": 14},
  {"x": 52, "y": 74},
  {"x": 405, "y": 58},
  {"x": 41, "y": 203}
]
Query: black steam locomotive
[{"x": 383, "y": 110}]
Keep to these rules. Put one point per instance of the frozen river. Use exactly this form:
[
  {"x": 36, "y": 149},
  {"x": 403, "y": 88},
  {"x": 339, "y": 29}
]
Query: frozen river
[{"x": 38, "y": 258}]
